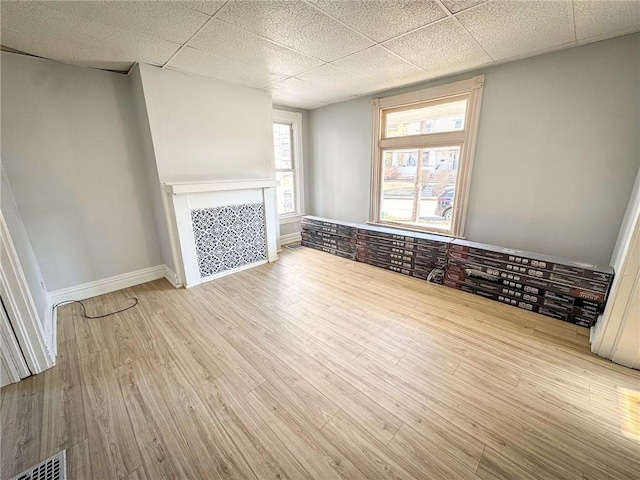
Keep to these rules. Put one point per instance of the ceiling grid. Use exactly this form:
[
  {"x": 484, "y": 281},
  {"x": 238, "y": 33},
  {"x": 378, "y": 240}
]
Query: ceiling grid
[{"x": 308, "y": 53}]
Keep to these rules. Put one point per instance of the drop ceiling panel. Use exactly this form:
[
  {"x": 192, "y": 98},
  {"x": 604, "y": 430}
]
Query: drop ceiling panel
[
  {"x": 166, "y": 20},
  {"x": 510, "y": 29},
  {"x": 441, "y": 48},
  {"x": 601, "y": 20},
  {"x": 221, "y": 68},
  {"x": 86, "y": 40},
  {"x": 210, "y": 7},
  {"x": 65, "y": 52},
  {"x": 296, "y": 25},
  {"x": 331, "y": 78},
  {"x": 229, "y": 41},
  {"x": 383, "y": 19},
  {"x": 295, "y": 101},
  {"x": 455, "y": 6},
  {"x": 309, "y": 52},
  {"x": 381, "y": 68},
  {"x": 309, "y": 90}
]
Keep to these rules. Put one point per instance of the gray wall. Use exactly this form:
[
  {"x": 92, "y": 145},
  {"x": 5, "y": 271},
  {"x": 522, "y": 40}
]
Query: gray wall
[
  {"x": 22, "y": 244},
  {"x": 556, "y": 157},
  {"x": 71, "y": 152}
]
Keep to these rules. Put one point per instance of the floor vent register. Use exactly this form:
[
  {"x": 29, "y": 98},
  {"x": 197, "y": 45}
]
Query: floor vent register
[{"x": 53, "y": 468}]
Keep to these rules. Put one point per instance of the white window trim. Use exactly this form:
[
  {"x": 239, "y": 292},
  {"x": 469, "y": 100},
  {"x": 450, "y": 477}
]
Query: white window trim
[
  {"x": 295, "y": 119},
  {"x": 472, "y": 86}
]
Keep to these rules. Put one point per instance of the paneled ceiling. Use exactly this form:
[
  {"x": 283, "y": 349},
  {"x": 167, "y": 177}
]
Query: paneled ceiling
[{"x": 309, "y": 53}]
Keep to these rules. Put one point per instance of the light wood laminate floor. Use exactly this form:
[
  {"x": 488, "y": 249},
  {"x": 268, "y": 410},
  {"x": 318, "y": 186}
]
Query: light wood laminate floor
[{"x": 319, "y": 367}]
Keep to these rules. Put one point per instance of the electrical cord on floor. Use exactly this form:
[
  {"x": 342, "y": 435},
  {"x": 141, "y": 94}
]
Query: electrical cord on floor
[{"x": 84, "y": 309}]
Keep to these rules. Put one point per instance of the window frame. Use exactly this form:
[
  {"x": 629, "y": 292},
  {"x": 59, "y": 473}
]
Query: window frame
[
  {"x": 466, "y": 138},
  {"x": 295, "y": 120}
]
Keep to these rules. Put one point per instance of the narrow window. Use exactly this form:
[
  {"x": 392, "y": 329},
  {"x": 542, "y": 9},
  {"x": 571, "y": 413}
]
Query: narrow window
[{"x": 287, "y": 139}]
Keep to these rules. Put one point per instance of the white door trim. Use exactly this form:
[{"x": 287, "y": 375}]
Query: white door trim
[
  {"x": 11, "y": 356},
  {"x": 21, "y": 307},
  {"x": 616, "y": 336}
]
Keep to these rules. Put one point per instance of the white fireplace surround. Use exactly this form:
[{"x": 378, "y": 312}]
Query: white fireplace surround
[{"x": 181, "y": 198}]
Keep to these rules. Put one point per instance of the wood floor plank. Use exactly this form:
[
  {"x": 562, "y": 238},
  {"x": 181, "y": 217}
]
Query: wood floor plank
[
  {"x": 315, "y": 453},
  {"x": 66, "y": 330},
  {"x": 320, "y": 367},
  {"x": 495, "y": 466},
  {"x": 22, "y": 415},
  {"x": 156, "y": 434},
  {"x": 376, "y": 419},
  {"x": 79, "y": 461},
  {"x": 306, "y": 398},
  {"x": 368, "y": 454},
  {"x": 214, "y": 454},
  {"x": 260, "y": 447},
  {"x": 428, "y": 456},
  {"x": 62, "y": 426},
  {"x": 89, "y": 336},
  {"x": 138, "y": 474},
  {"x": 112, "y": 445},
  {"x": 187, "y": 351},
  {"x": 481, "y": 417},
  {"x": 459, "y": 445}
]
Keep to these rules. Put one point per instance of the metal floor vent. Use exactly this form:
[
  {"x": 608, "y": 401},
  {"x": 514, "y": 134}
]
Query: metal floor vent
[
  {"x": 294, "y": 246},
  {"x": 53, "y": 468}
]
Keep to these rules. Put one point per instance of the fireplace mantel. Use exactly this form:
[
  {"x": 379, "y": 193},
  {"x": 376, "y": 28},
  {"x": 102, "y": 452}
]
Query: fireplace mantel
[
  {"x": 183, "y": 188},
  {"x": 238, "y": 207}
]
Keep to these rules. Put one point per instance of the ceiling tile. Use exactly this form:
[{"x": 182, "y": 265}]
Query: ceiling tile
[
  {"x": 455, "y": 6},
  {"x": 221, "y": 68},
  {"x": 382, "y": 69},
  {"x": 229, "y": 41},
  {"x": 313, "y": 91},
  {"x": 331, "y": 78},
  {"x": 166, "y": 20},
  {"x": 509, "y": 29},
  {"x": 89, "y": 42},
  {"x": 296, "y": 25},
  {"x": 296, "y": 101},
  {"x": 605, "y": 19},
  {"x": 65, "y": 52},
  {"x": 441, "y": 48},
  {"x": 383, "y": 19},
  {"x": 210, "y": 7}
]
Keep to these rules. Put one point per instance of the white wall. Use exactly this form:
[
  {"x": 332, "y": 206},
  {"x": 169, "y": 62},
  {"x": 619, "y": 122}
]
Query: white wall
[
  {"x": 555, "y": 161},
  {"x": 617, "y": 333},
  {"x": 72, "y": 155},
  {"x": 22, "y": 244},
  {"x": 150, "y": 166},
  {"x": 205, "y": 130}
]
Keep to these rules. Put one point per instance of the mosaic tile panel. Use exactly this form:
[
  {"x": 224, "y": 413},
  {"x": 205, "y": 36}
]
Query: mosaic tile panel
[{"x": 229, "y": 237}]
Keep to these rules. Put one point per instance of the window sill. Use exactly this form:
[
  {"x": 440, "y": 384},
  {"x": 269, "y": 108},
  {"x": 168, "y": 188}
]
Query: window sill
[
  {"x": 291, "y": 218},
  {"x": 409, "y": 228}
]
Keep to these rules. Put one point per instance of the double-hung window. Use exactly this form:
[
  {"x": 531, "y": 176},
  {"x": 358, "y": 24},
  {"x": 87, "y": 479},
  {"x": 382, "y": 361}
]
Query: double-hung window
[
  {"x": 287, "y": 139},
  {"x": 422, "y": 156}
]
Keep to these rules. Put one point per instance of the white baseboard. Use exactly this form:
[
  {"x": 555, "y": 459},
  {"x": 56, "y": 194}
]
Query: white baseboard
[
  {"x": 290, "y": 238},
  {"x": 171, "y": 276},
  {"x": 51, "y": 329},
  {"x": 107, "y": 285}
]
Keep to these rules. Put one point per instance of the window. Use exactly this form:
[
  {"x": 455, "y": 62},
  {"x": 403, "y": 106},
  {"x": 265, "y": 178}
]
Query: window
[
  {"x": 422, "y": 157},
  {"x": 287, "y": 140}
]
